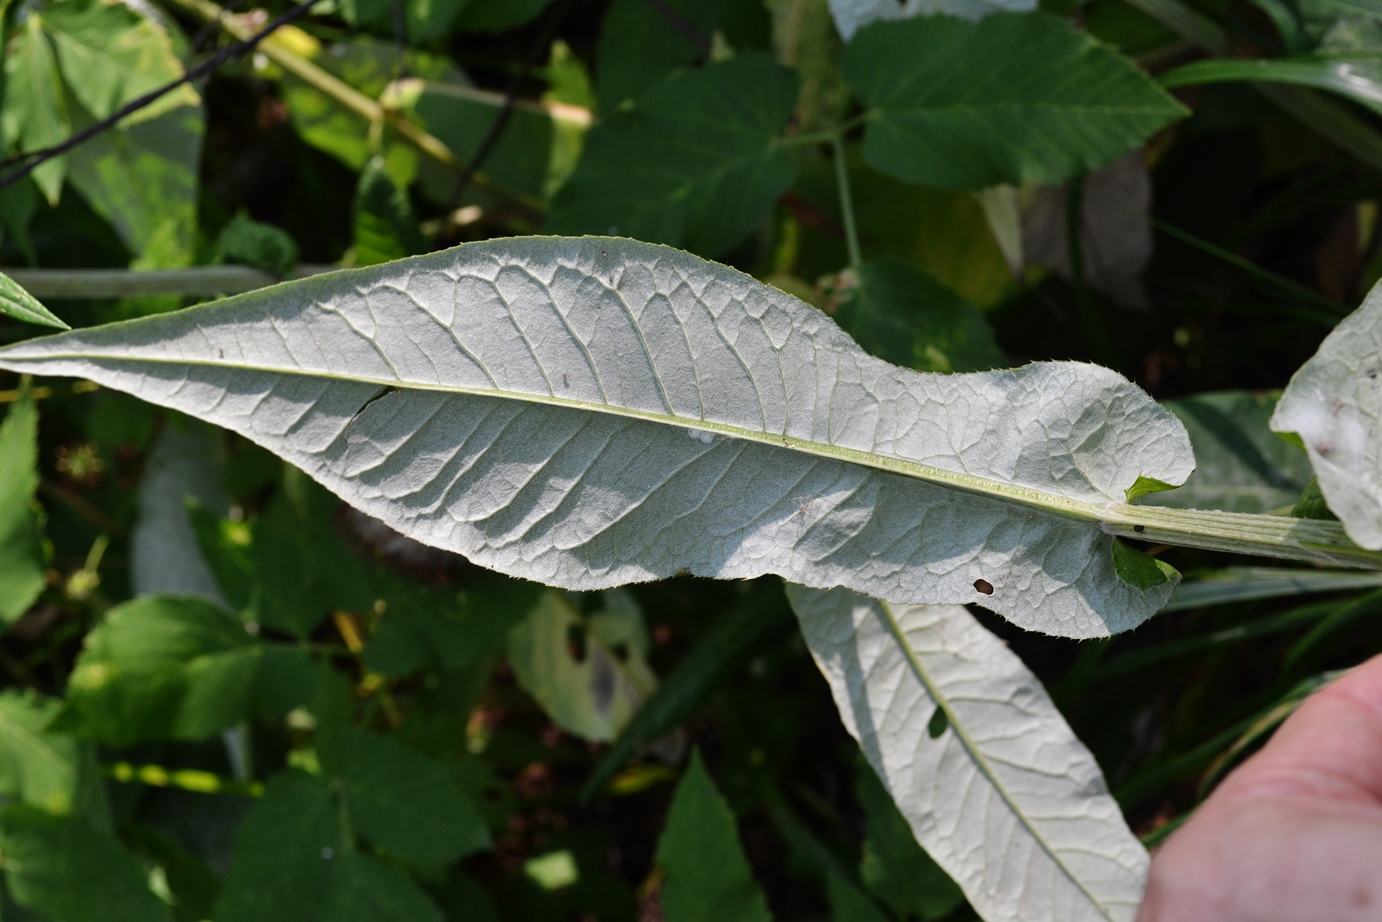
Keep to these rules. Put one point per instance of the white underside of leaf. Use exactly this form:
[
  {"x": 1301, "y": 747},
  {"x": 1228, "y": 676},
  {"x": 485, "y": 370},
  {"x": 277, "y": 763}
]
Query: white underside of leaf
[
  {"x": 1006, "y": 799},
  {"x": 591, "y": 412},
  {"x": 852, "y": 15},
  {"x": 1334, "y": 403}
]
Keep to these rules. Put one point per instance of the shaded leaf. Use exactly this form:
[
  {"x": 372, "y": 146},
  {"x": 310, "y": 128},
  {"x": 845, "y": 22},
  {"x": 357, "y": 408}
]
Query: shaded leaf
[
  {"x": 1334, "y": 406},
  {"x": 22, "y": 560},
  {"x": 1242, "y": 584},
  {"x": 364, "y": 890},
  {"x": 591, "y": 412},
  {"x": 385, "y": 226},
  {"x": 254, "y": 243},
  {"x": 589, "y": 674},
  {"x": 402, "y": 801},
  {"x": 708, "y": 877},
  {"x": 639, "y": 45},
  {"x": 902, "y": 315},
  {"x": 1010, "y": 99},
  {"x": 167, "y": 667},
  {"x": 69, "y": 872},
  {"x": 41, "y": 767},
  {"x": 1356, "y": 76},
  {"x": 1006, "y": 800},
  {"x": 695, "y": 162},
  {"x": 18, "y": 303},
  {"x": 893, "y": 866},
  {"x": 498, "y": 15}
]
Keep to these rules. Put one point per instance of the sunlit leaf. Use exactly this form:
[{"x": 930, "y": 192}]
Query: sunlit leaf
[
  {"x": 17, "y": 302},
  {"x": 44, "y": 768},
  {"x": 590, "y": 674},
  {"x": 1010, "y": 99},
  {"x": 35, "y": 109},
  {"x": 1333, "y": 405},
  {"x": 385, "y": 226},
  {"x": 587, "y": 413}
]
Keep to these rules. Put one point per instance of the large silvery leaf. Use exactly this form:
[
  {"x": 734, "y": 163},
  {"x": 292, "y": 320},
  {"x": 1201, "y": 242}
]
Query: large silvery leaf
[
  {"x": 852, "y": 15},
  {"x": 1334, "y": 405},
  {"x": 1004, "y": 797},
  {"x": 1010, "y": 99},
  {"x": 593, "y": 412}
]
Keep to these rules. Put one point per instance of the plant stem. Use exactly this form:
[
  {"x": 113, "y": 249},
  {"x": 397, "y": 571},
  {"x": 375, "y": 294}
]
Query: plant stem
[
  {"x": 846, "y": 203},
  {"x": 103, "y": 284},
  {"x": 186, "y": 779}
]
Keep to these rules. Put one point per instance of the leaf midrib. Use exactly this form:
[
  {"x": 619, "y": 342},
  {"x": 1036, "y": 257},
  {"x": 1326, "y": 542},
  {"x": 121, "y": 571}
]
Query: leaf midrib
[{"x": 976, "y": 754}]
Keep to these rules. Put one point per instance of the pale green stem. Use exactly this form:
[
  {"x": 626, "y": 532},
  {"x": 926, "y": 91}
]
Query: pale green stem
[
  {"x": 103, "y": 284},
  {"x": 846, "y": 203}
]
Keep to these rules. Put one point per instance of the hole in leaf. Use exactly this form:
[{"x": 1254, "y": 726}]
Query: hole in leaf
[
  {"x": 938, "y": 722},
  {"x": 575, "y": 642},
  {"x": 984, "y": 586}
]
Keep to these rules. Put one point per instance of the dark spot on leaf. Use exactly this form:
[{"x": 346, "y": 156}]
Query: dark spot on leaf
[
  {"x": 938, "y": 722},
  {"x": 1139, "y": 528},
  {"x": 984, "y": 586}
]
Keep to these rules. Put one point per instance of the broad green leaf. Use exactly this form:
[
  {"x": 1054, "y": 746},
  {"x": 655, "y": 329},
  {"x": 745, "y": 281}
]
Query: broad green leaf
[
  {"x": 849, "y": 904},
  {"x": 69, "y": 872},
  {"x": 164, "y": 557},
  {"x": 16, "y": 302},
  {"x": 717, "y": 655},
  {"x": 281, "y": 864},
  {"x": 1242, "y": 466},
  {"x": 903, "y": 315},
  {"x": 852, "y": 15},
  {"x": 22, "y": 560},
  {"x": 572, "y": 664},
  {"x": 893, "y": 866},
  {"x": 385, "y": 226},
  {"x": 1334, "y": 407},
  {"x": 592, "y": 412},
  {"x": 363, "y": 890},
  {"x": 1011, "y": 99},
  {"x": 708, "y": 878},
  {"x": 41, "y": 767},
  {"x": 1356, "y": 76},
  {"x": 1242, "y": 584},
  {"x": 110, "y": 55},
  {"x": 402, "y": 801},
  {"x": 143, "y": 180},
  {"x": 35, "y": 108},
  {"x": 1005, "y": 799},
  {"x": 167, "y": 667},
  {"x": 694, "y": 162},
  {"x": 639, "y": 45}
]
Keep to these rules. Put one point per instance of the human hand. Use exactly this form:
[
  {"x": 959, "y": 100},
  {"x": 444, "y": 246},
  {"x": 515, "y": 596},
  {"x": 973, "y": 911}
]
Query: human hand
[{"x": 1295, "y": 833}]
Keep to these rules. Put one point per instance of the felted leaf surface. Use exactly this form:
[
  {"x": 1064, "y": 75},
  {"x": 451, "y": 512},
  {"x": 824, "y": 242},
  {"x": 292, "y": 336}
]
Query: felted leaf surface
[
  {"x": 1010, "y": 99},
  {"x": 16, "y": 302},
  {"x": 1334, "y": 406},
  {"x": 592, "y": 412},
  {"x": 1005, "y": 798},
  {"x": 694, "y": 162},
  {"x": 852, "y": 15},
  {"x": 22, "y": 562}
]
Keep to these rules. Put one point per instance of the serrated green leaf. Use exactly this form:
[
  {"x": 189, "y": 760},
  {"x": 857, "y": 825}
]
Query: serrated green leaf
[
  {"x": 35, "y": 108},
  {"x": 17, "y": 302},
  {"x": 1334, "y": 405},
  {"x": 71, "y": 873},
  {"x": 695, "y": 162},
  {"x": 280, "y": 866},
  {"x": 892, "y": 865},
  {"x": 708, "y": 878},
  {"x": 639, "y": 45},
  {"x": 1013, "y": 98},
  {"x": 402, "y": 801},
  {"x": 22, "y": 560},
  {"x": 40, "y": 767},
  {"x": 110, "y": 55},
  {"x": 1242, "y": 466},
  {"x": 904, "y": 316},
  {"x": 385, "y": 226},
  {"x": 1138, "y": 569},
  {"x": 169, "y": 667},
  {"x": 1007, "y": 801},
  {"x": 592, "y": 412},
  {"x": 572, "y": 664}
]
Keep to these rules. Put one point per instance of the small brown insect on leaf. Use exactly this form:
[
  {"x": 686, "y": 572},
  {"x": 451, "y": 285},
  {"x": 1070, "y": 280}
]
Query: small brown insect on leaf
[{"x": 984, "y": 586}]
